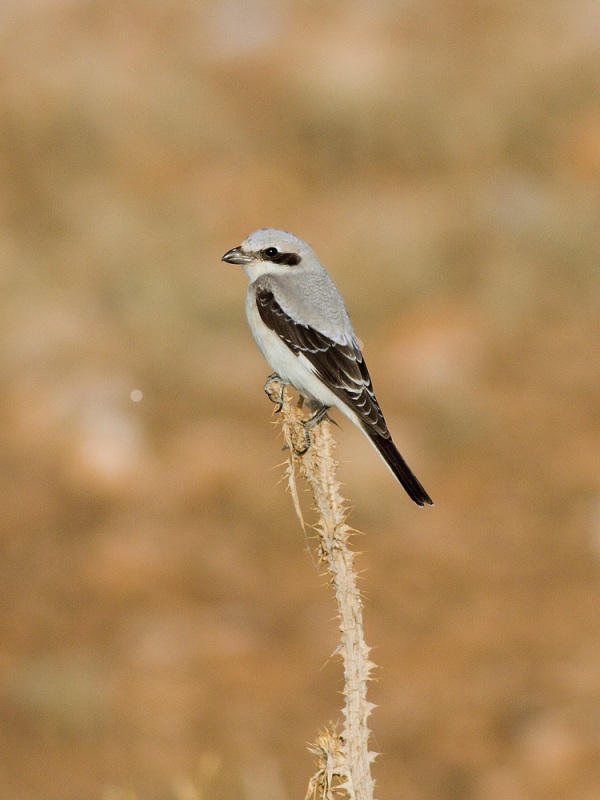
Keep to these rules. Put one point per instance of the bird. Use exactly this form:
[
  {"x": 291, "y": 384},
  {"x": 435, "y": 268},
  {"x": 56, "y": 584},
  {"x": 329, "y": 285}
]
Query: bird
[{"x": 300, "y": 324}]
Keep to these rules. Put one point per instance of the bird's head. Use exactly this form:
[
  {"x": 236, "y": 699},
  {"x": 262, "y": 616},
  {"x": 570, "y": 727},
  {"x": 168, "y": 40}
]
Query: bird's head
[{"x": 269, "y": 251}]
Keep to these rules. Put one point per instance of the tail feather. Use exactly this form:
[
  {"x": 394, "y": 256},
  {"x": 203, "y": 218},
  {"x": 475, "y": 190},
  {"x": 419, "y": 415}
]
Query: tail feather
[{"x": 399, "y": 468}]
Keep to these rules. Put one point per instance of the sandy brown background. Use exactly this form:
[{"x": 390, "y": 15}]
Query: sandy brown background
[{"x": 164, "y": 631}]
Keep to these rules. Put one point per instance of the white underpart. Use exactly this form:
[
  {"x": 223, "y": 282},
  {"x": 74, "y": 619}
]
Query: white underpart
[{"x": 293, "y": 369}]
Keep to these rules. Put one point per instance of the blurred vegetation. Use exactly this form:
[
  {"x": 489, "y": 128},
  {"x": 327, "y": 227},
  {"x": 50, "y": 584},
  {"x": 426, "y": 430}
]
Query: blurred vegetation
[{"x": 160, "y": 608}]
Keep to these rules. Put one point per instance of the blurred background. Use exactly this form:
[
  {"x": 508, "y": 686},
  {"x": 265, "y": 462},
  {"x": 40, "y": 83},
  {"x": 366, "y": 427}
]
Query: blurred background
[{"x": 165, "y": 632}]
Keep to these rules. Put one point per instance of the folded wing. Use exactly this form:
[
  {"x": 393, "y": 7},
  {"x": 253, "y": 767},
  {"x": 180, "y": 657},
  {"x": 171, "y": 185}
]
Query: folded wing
[{"x": 342, "y": 368}]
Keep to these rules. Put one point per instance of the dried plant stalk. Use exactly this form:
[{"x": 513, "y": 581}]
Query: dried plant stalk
[{"x": 344, "y": 759}]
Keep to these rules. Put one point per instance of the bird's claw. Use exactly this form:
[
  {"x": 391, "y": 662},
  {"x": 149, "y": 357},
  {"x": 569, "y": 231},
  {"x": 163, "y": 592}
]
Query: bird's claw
[
  {"x": 301, "y": 451},
  {"x": 317, "y": 417},
  {"x": 275, "y": 397}
]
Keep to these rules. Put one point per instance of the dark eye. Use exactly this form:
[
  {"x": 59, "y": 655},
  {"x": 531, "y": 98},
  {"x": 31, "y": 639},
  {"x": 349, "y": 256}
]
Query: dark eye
[{"x": 271, "y": 252}]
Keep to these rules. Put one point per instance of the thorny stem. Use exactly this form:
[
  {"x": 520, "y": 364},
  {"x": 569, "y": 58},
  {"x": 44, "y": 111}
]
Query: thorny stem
[{"x": 344, "y": 759}]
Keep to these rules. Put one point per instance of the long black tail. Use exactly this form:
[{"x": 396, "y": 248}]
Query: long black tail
[{"x": 400, "y": 469}]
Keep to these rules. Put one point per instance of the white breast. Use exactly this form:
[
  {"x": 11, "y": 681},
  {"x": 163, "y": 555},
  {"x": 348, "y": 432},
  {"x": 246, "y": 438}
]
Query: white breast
[{"x": 291, "y": 368}]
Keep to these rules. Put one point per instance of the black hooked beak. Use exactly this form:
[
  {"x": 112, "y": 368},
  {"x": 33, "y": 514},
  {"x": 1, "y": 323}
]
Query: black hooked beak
[{"x": 236, "y": 256}]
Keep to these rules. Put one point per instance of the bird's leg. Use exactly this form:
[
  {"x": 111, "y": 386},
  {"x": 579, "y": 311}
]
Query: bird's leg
[
  {"x": 317, "y": 417},
  {"x": 275, "y": 397}
]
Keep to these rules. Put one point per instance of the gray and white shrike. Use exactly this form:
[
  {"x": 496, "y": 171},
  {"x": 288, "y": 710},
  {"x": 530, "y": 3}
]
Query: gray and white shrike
[{"x": 301, "y": 325}]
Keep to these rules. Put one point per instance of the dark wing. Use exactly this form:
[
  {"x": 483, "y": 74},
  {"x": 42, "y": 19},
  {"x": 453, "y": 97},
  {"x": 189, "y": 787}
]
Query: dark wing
[{"x": 340, "y": 366}]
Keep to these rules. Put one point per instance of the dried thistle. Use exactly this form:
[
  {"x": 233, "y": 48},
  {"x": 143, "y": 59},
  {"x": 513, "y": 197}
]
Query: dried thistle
[{"x": 344, "y": 761}]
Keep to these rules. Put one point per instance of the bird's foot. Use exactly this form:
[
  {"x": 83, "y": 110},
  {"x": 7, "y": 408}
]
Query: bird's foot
[
  {"x": 275, "y": 395},
  {"x": 307, "y": 425}
]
